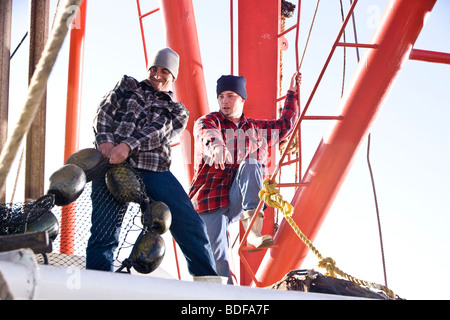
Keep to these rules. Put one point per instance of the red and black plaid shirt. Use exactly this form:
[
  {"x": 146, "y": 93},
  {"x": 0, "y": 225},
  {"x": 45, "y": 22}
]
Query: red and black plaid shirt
[{"x": 249, "y": 139}]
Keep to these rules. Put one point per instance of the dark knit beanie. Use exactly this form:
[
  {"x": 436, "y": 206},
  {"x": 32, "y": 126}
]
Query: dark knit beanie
[{"x": 232, "y": 83}]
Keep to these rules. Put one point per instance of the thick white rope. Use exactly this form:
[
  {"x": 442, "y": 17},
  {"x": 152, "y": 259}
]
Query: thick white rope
[{"x": 36, "y": 89}]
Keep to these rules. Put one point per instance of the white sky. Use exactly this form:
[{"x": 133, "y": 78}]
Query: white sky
[{"x": 410, "y": 138}]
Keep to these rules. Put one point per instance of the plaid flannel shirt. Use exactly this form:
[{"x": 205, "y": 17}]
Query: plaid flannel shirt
[
  {"x": 249, "y": 139},
  {"x": 145, "y": 119}
]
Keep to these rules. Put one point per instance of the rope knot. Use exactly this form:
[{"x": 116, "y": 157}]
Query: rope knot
[
  {"x": 270, "y": 195},
  {"x": 328, "y": 264}
]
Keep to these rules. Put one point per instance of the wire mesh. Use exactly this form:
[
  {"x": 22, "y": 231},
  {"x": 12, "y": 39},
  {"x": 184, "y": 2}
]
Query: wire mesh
[{"x": 14, "y": 218}]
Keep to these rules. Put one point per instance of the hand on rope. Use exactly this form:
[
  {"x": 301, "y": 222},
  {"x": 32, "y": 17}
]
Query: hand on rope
[
  {"x": 271, "y": 196},
  {"x": 294, "y": 86},
  {"x": 293, "y": 148}
]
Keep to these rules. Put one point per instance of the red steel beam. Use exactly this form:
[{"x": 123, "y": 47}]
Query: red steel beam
[
  {"x": 190, "y": 86},
  {"x": 259, "y": 55},
  {"x": 399, "y": 28},
  {"x": 73, "y": 111},
  {"x": 142, "y": 16},
  {"x": 259, "y": 26},
  {"x": 430, "y": 56}
]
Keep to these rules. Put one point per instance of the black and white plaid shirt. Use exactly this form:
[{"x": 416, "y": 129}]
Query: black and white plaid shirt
[{"x": 145, "y": 119}]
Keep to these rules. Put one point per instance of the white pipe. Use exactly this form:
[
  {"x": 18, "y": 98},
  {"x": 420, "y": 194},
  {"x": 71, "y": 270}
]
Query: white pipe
[{"x": 28, "y": 280}]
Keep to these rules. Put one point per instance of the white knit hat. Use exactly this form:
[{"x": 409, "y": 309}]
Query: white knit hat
[{"x": 165, "y": 58}]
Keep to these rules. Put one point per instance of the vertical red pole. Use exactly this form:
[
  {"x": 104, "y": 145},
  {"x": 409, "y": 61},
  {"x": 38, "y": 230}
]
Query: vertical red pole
[
  {"x": 371, "y": 82},
  {"x": 259, "y": 26},
  {"x": 74, "y": 85},
  {"x": 190, "y": 86}
]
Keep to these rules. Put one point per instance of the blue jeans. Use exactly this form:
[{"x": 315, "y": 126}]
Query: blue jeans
[
  {"x": 187, "y": 227},
  {"x": 243, "y": 195}
]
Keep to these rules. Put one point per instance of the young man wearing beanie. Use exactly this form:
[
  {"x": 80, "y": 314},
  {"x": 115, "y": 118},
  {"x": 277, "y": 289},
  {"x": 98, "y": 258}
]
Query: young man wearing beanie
[
  {"x": 137, "y": 122},
  {"x": 230, "y": 159}
]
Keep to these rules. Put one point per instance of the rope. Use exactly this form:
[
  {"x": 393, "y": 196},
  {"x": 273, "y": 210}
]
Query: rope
[
  {"x": 22, "y": 153},
  {"x": 376, "y": 209},
  {"x": 309, "y": 34},
  {"x": 36, "y": 90},
  {"x": 345, "y": 52},
  {"x": 270, "y": 195}
]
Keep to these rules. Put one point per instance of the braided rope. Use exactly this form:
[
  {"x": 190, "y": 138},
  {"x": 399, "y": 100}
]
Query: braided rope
[
  {"x": 271, "y": 196},
  {"x": 36, "y": 90}
]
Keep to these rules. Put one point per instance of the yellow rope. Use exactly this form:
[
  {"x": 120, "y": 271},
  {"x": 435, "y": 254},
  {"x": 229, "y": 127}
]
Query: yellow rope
[{"x": 271, "y": 196}]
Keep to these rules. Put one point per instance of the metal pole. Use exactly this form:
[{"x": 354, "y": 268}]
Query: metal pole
[
  {"x": 430, "y": 56},
  {"x": 74, "y": 85},
  {"x": 35, "y": 146},
  {"x": 259, "y": 54},
  {"x": 190, "y": 86},
  {"x": 5, "y": 46}
]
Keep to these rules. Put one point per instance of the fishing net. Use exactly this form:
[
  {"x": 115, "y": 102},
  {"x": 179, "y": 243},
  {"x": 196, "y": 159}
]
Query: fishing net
[
  {"x": 16, "y": 218},
  {"x": 74, "y": 222}
]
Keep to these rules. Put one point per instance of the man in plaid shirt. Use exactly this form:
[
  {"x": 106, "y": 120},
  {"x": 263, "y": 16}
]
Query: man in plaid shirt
[
  {"x": 230, "y": 158},
  {"x": 137, "y": 122}
]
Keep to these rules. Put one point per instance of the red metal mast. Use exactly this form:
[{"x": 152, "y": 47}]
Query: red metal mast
[
  {"x": 259, "y": 26},
  {"x": 190, "y": 86},
  {"x": 398, "y": 30},
  {"x": 74, "y": 85}
]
